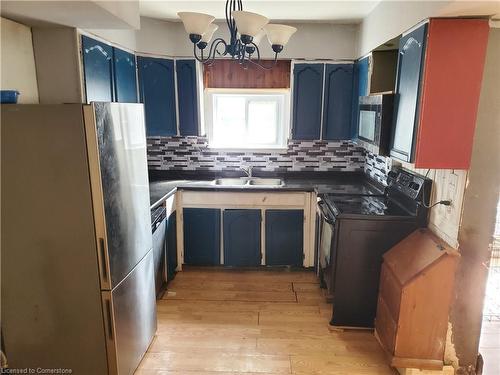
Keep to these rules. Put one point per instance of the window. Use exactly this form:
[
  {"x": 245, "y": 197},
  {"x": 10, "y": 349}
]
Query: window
[{"x": 246, "y": 119}]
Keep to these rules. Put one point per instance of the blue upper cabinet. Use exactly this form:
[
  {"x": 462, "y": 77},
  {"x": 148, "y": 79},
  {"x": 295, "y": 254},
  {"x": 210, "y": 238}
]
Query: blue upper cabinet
[
  {"x": 124, "y": 76},
  {"x": 338, "y": 101},
  {"x": 98, "y": 70},
  {"x": 362, "y": 67},
  {"x": 157, "y": 92},
  {"x": 410, "y": 65},
  {"x": 187, "y": 97},
  {"x": 242, "y": 237},
  {"x": 307, "y": 101}
]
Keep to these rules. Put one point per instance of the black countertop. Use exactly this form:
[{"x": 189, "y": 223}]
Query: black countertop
[{"x": 341, "y": 183}]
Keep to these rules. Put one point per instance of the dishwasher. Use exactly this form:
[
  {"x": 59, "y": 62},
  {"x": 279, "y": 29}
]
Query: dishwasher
[{"x": 159, "y": 230}]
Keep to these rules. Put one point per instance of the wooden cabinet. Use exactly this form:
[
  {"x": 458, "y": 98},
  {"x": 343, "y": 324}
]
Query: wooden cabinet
[
  {"x": 338, "y": 101},
  {"x": 201, "y": 236},
  {"x": 109, "y": 73},
  {"x": 362, "y": 68},
  {"x": 242, "y": 237},
  {"x": 323, "y": 101},
  {"x": 284, "y": 237},
  {"x": 157, "y": 92},
  {"x": 307, "y": 101},
  {"x": 416, "y": 284},
  {"x": 411, "y": 50},
  {"x": 124, "y": 76},
  {"x": 98, "y": 70},
  {"x": 187, "y": 96},
  {"x": 258, "y": 227},
  {"x": 438, "y": 83}
]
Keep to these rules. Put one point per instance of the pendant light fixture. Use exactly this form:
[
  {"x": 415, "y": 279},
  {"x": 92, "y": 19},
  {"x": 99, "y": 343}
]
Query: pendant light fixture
[{"x": 246, "y": 29}]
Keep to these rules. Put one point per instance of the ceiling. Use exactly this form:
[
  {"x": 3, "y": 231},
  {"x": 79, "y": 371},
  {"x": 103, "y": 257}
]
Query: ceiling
[{"x": 290, "y": 10}]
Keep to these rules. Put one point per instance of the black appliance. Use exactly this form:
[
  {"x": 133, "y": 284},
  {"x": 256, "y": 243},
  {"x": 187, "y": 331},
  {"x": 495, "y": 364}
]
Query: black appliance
[
  {"x": 356, "y": 231},
  {"x": 159, "y": 230},
  {"x": 375, "y": 121}
]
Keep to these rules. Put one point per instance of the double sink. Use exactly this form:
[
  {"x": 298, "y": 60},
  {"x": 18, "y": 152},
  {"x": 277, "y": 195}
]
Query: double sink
[{"x": 248, "y": 181}]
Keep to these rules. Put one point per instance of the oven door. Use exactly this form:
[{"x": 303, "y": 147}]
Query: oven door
[{"x": 326, "y": 248}]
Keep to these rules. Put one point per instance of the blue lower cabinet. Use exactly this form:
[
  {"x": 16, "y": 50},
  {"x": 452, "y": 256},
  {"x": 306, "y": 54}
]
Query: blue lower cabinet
[
  {"x": 201, "y": 236},
  {"x": 171, "y": 246},
  {"x": 242, "y": 237},
  {"x": 284, "y": 237}
]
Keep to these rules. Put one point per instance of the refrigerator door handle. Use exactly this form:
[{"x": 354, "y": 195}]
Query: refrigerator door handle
[
  {"x": 109, "y": 317},
  {"x": 104, "y": 261},
  {"x": 109, "y": 327}
]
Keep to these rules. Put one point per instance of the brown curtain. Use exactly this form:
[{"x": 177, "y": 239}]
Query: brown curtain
[{"x": 229, "y": 74}]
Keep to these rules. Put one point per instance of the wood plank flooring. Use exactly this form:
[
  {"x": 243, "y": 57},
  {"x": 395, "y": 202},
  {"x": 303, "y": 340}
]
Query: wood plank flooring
[{"x": 228, "y": 322}]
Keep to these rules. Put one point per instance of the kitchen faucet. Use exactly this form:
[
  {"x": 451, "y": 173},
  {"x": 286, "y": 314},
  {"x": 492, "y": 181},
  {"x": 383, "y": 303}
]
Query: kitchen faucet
[{"x": 247, "y": 170}]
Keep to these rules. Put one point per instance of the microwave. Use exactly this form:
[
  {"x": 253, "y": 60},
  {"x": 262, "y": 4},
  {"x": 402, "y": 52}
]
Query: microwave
[{"x": 375, "y": 121}]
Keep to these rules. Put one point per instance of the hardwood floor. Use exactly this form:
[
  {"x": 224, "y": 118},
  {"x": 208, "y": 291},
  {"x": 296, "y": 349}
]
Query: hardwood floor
[{"x": 224, "y": 322}]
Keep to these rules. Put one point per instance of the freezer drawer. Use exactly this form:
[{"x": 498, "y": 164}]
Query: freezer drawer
[{"x": 130, "y": 318}]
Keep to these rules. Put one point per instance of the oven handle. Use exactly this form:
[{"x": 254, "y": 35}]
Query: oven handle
[{"x": 324, "y": 214}]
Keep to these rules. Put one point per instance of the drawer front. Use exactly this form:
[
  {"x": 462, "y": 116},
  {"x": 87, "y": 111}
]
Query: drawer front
[
  {"x": 385, "y": 326},
  {"x": 390, "y": 291},
  {"x": 242, "y": 199}
]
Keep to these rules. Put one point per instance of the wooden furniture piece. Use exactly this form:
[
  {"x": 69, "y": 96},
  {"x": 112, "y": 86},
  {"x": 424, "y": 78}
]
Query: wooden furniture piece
[{"x": 415, "y": 293}]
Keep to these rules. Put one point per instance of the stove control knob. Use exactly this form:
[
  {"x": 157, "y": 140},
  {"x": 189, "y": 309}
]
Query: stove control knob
[{"x": 414, "y": 186}]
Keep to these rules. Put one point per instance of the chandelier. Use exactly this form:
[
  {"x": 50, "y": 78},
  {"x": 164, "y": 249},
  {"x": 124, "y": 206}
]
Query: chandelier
[{"x": 246, "y": 29}]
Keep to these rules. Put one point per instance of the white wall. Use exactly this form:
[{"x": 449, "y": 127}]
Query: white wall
[
  {"x": 17, "y": 61},
  {"x": 127, "y": 11},
  {"x": 390, "y": 18},
  {"x": 311, "y": 41}
]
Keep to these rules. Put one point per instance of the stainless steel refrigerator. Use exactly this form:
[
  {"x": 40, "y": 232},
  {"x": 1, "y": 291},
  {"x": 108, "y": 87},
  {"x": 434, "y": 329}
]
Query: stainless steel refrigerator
[{"x": 76, "y": 249}]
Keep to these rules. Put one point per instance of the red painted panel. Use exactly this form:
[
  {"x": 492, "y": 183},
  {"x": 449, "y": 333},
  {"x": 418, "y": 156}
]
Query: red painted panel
[{"x": 453, "y": 71}]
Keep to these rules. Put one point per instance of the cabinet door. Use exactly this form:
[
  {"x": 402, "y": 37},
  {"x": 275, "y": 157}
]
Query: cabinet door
[
  {"x": 284, "y": 237},
  {"x": 337, "y": 108},
  {"x": 98, "y": 70},
  {"x": 410, "y": 63},
  {"x": 201, "y": 236},
  {"x": 242, "y": 237},
  {"x": 157, "y": 92},
  {"x": 125, "y": 79},
  {"x": 307, "y": 100},
  {"x": 171, "y": 245},
  {"x": 363, "y": 67},
  {"x": 187, "y": 94}
]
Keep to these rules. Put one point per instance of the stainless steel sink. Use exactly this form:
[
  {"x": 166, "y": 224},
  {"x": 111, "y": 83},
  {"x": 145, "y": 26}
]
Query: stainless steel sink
[
  {"x": 231, "y": 181},
  {"x": 253, "y": 181},
  {"x": 265, "y": 181}
]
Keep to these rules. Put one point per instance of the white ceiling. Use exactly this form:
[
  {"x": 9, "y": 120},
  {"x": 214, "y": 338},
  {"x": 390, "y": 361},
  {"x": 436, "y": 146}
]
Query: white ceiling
[{"x": 290, "y": 10}]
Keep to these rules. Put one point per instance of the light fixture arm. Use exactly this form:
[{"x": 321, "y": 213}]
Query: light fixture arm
[{"x": 242, "y": 48}]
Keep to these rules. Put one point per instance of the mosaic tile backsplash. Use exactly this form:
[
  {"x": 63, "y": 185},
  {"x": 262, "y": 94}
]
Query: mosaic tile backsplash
[
  {"x": 192, "y": 153},
  {"x": 377, "y": 167}
]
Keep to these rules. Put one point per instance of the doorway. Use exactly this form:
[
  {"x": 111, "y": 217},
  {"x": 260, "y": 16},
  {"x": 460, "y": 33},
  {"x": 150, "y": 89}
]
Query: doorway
[{"x": 489, "y": 345}]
